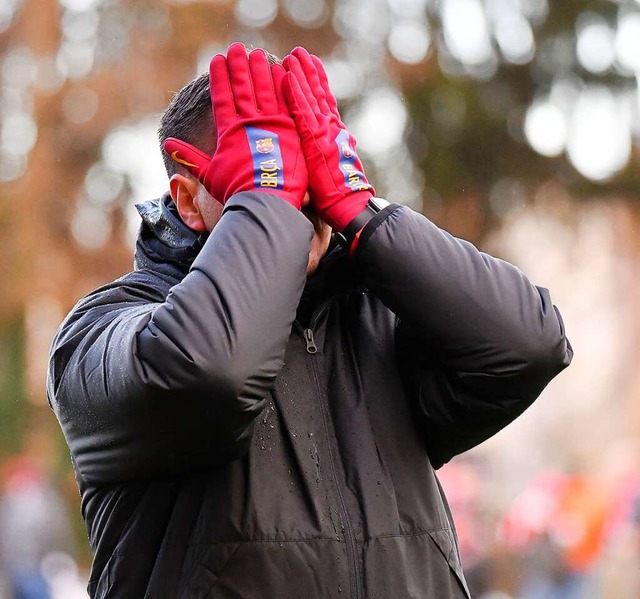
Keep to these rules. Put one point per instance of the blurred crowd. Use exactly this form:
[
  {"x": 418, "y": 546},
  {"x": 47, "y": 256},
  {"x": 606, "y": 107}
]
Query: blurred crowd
[
  {"x": 37, "y": 543},
  {"x": 565, "y": 535}
]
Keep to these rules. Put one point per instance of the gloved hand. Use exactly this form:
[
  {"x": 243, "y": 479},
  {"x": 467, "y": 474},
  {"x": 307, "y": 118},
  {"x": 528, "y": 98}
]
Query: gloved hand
[
  {"x": 338, "y": 185},
  {"x": 258, "y": 147}
]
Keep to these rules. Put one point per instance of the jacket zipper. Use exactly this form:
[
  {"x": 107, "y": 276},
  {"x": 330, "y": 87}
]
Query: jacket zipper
[{"x": 312, "y": 349}]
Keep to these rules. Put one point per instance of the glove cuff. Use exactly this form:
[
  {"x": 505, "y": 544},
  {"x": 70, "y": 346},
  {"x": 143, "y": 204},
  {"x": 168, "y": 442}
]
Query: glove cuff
[{"x": 373, "y": 206}]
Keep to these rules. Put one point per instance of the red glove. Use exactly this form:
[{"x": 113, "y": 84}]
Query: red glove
[
  {"x": 258, "y": 147},
  {"x": 339, "y": 188}
]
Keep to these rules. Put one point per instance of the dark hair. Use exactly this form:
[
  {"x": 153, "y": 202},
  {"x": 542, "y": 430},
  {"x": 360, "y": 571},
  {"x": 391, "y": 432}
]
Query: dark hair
[{"x": 189, "y": 117}]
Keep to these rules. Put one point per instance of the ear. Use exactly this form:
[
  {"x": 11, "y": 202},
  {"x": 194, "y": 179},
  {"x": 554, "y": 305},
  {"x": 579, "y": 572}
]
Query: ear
[{"x": 184, "y": 189}]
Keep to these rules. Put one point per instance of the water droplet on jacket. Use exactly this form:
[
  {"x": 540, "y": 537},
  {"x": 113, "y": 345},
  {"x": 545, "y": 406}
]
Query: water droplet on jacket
[
  {"x": 317, "y": 480},
  {"x": 339, "y": 589}
]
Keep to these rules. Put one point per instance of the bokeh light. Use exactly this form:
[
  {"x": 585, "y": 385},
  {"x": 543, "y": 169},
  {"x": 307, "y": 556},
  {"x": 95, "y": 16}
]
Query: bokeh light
[
  {"x": 515, "y": 38},
  {"x": 75, "y": 59},
  {"x": 19, "y": 134},
  {"x": 536, "y": 11},
  {"x": 132, "y": 152},
  {"x": 599, "y": 142},
  {"x": 12, "y": 166},
  {"x": 546, "y": 128},
  {"x": 18, "y": 67},
  {"x": 379, "y": 121},
  {"x": 365, "y": 22},
  {"x": 8, "y": 10},
  {"x": 408, "y": 9},
  {"x": 90, "y": 226},
  {"x": 307, "y": 13},
  {"x": 628, "y": 40},
  {"x": 595, "y": 43},
  {"x": 256, "y": 13},
  {"x": 79, "y": 26},
  {"x": 102, "y": 184},
  {"x": 466, "y": 31},
  {"x": 80, "y": 5},
  {"x": 346, "y": 79},
  {"x": 409, "y": 41}
]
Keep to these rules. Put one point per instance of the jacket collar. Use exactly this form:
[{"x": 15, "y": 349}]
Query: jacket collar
[
  {"x": 164, "y": 242},
  {"x": 336, "y": 275},
  {"x": 166, "y": 245}
]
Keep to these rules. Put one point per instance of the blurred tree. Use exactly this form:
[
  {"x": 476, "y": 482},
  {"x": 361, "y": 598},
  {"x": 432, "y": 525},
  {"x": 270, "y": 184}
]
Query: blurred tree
[{"x": 461, "y": 108}]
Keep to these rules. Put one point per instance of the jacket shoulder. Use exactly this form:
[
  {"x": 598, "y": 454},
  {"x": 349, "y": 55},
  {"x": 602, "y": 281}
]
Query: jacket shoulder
[{"x": 129, "y": 295}]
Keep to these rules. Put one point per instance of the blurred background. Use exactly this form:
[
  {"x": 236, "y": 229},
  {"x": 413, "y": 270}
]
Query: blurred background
[{"x": 512, "y": 123}]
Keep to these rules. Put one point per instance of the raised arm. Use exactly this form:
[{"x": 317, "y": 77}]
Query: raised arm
[
  {"x": 145, "y": 385},
  {"x": 476, "y": 339},
  {"x": 148, "y": 380}
]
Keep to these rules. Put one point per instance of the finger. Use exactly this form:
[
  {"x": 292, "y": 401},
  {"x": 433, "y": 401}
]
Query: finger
[
  {"x": 263, "y": 84},
  {"x": 277, "y": 75},
  {"x": 311, "y": 73},
  {"x": 299, "y": 107},
  {"x": 188, "y": 156},
  {"x": 324, "y": 83},
  {"x": 292, "y": 64},
  {"x": 241, "y": 81},
  {"x": 224, "y": 106}
]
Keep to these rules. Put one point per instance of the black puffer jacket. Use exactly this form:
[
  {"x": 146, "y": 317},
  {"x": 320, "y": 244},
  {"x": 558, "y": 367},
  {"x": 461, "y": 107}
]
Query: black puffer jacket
[{"x": 224, "y": 450}]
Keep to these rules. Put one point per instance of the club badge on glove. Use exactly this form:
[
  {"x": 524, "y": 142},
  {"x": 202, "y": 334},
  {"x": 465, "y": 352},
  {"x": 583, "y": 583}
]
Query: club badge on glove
[
  {"x": 258, "y": 147},
  {"x": 267, "y": 159}
]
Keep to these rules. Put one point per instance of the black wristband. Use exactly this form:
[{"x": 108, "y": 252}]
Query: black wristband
[{"x": 374, "y": 205}]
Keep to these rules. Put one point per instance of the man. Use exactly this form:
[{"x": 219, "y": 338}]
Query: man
[{"x": 251, "y": 415}]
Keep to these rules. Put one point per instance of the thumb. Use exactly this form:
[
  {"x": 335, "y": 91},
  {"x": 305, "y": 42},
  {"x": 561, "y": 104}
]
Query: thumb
[{"x": 188, "y": 156}]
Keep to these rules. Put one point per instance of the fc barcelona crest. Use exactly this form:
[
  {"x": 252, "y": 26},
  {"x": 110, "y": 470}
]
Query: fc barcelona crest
[
  {"x": 265, "y": 145},
  {"x": 347, "y": 152}
]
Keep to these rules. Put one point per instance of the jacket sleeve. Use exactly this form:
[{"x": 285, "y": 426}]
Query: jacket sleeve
[
  {"x": 146, "y": 386},
  {"x": 476, "y": 341}
]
